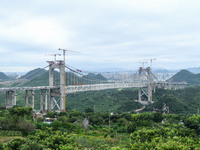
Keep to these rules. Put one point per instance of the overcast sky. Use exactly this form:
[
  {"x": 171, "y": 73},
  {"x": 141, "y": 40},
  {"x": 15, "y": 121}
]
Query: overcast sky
[{"x": 107, "y": 33}]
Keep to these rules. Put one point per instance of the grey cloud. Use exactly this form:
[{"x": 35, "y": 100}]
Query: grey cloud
[{"x": 111, "y": 33}]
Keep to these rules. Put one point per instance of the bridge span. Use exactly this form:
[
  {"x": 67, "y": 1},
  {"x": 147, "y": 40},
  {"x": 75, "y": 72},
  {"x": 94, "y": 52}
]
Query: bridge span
[
  {"x": 52, "y": 97},
  {"x": 55, "y": 90}
]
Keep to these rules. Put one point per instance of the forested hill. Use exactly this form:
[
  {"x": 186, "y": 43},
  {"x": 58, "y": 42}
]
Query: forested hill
[
  {"x": 40, "y": 77},
  {"x": 186, "y": 76},
  {"x": 115, "y": 100},
  {"x": 183, "y": 101},
  {"x": 96, "y": 76},
  {"x": 33, "y": 73},
  {"x": 3, "y": 76}
]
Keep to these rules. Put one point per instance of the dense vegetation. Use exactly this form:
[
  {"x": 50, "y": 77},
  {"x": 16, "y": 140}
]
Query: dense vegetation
[
  {"x": 97, "y": 130},
  {"x": 89, "y": 124},
  {"x": 33, "y": 73},
  {"x": 183, "y": 101},
  {"x": 116, "y": 100}
]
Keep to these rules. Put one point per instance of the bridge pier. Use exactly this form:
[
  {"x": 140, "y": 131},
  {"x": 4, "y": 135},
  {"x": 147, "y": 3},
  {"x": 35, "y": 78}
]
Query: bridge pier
[
  {"x": 62, "y": 86},
  {"x": 41, "y": 101},
  {"x": 45, "y": 109},
  {"x": 14, "y": 97},
  {"x": 50, "y": 100},
  {"x": 149, "y": 88},
  {"x": 26, "y": 98},
  {"x": 7, "y": 98},
  {"x": 32, "y": 98},
  {"x": 139, "y": 95}
]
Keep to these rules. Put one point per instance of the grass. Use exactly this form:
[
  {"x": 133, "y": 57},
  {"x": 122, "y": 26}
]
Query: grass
[{"x": 93, "y": 141}]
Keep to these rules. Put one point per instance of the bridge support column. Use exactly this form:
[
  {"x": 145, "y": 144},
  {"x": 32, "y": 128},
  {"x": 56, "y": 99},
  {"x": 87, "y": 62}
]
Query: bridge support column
[
  {"x": 139, "y": 95},
  {"x": 26, "y": 98},
  {"x": 14, "y": 95},
  {"x": 46, "y": 101},
  {"x": 175, "y": 87},
  {"x": 62, "y": 87},
  {"x": 149, "y": 93},
  {"x": 50, "y": 100},
  {"x": 7, "y": 98},
  {"x": 32, "y": 98},
  {"x": 41, "y": 101},
  {"x": 51, "y": 68},
  {"x": 154, "y": 89}
]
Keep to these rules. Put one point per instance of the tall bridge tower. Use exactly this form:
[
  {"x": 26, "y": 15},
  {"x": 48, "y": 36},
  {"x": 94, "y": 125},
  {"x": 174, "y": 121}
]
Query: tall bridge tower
[
  {"x": 57, "y": 96},
  {"x": 145, "y": 93}
]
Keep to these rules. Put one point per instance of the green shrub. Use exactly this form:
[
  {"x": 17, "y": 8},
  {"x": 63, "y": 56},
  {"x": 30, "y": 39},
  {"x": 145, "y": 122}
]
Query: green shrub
[{"x": 16, "y": 144}]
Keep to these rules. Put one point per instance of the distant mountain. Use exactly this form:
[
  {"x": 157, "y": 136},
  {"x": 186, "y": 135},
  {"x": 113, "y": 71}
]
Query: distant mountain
[
  {"x": 42, "y": 78},
  {"x": 96, "y": 76},
  {"x": 185, "y": 76},
  {"x": 194, "y": 69},
  {"x": 3, "y": 76},
  {"x": 33, "y": 73},
  {"x": 15, "y": 75},
  {"x": 164, "y": 71}
]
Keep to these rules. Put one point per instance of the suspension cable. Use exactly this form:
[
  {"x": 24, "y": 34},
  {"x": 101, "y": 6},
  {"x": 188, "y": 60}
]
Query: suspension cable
[{"x": 83, "y": 76}]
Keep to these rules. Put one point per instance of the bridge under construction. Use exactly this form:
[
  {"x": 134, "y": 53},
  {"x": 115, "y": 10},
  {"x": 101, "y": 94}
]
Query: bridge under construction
[{"x": 52, "y": 97}]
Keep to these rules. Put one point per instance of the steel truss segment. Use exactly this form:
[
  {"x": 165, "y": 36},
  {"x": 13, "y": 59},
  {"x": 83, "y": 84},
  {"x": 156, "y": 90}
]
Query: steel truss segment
[
  {"x": 144, "y": 93},
  {"x": 28, "y": 88},
  {"x": 56, "y": 103},
  {"x": 94, "y": 87}
]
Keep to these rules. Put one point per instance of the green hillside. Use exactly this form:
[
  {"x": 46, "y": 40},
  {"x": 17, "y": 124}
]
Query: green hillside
[
  {"x": 184, "y": 101},
  {"x": 33, "y": 74},
  {"x": 40, "y": 77},
  {"x": 105, "y": 101},
  {"x": 3, "y": 76},
  {"x": 96, "y": 76},
  {"x": 186, "y": 76}
]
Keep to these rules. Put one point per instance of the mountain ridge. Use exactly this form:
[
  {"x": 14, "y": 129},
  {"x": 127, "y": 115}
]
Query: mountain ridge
[{"x": 186, "y": 76}]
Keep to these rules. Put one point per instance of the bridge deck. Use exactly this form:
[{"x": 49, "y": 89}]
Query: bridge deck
[
  {"x": 27, "y": 88},
  {"x": 92, "y": 87},
  {"x": 96, "y": 87}
]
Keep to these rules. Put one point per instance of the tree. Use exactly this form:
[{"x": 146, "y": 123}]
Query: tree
[
  {"x": 16, "y": 144},
  {"x": 157, "y": 117},
  {"x": 131, "y": 127},
  {"x": 24, "y": 112},
  {"x": 89, "y": 110},
  {"x": 96, "y": 120}
]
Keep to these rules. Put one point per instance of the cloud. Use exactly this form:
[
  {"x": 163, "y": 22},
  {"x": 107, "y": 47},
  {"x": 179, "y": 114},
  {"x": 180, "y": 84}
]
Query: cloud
[{"x": 107, "y": 33}]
